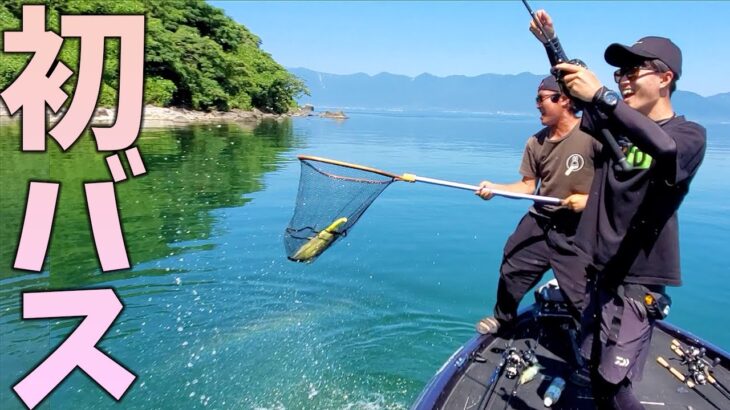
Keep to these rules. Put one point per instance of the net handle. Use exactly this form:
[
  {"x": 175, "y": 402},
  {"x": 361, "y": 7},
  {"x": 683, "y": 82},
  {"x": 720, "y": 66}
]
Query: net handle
[
  {"x": 499, "y": 192},
  {"x": 350, "y": 165},
  {"x": 415, "y": 178}
]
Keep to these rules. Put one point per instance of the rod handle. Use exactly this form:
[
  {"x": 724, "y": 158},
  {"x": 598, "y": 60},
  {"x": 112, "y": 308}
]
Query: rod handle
[
  {"x": 677, "y": 350},
  {"x": 675, "y": 372}
]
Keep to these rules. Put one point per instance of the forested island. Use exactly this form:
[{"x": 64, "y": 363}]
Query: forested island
[{"x": 196, "y": 57}]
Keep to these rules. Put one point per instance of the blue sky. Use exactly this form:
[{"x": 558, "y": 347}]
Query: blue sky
[{"x": 472, "y": 38}]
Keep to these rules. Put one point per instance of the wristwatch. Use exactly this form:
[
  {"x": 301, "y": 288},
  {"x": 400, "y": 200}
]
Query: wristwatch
[{"x": 606, "y": 99}]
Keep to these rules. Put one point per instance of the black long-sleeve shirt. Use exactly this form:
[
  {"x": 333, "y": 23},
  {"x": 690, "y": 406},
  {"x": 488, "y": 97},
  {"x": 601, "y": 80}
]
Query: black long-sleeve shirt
[{"x": 629, "y": 229}]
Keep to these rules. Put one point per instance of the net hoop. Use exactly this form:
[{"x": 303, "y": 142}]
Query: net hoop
[
  {"x": 348, "y": 165},
  {"x": 342, "y": 177}
]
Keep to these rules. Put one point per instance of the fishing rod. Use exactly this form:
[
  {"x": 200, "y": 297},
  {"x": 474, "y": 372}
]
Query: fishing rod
[
  {"x": 663, "y": 362},
  {"x": 698, "y": 374},
  {"x": 699, "y": 366},
  {"x": 523, "y": 364},
  {"x": 559, "y": 53},
  {"x": 495, "y": 375}
]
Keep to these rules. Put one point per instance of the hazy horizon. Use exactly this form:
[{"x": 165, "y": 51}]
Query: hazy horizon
[{"x": 470, "y": 38}]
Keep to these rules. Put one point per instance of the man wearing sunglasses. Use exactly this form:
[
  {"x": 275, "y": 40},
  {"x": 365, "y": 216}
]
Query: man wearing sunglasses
[
  {"x": 560, "y": 159},
  {"x": 628, "y": 234}
]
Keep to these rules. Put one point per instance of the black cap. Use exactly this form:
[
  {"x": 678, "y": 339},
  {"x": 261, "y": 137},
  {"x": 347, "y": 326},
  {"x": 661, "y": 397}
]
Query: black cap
[
  {"x": 549, "y": 83},
  {"x": 647, "y": 48}
]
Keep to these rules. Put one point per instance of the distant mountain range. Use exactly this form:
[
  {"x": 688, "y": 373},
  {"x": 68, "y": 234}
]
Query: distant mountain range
[{"x": 486, "y": 93}]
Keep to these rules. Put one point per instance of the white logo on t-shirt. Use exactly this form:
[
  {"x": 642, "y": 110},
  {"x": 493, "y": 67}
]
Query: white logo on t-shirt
[
  {"x": 622, "y": 361},
  {"x": 574, "y": 163}
]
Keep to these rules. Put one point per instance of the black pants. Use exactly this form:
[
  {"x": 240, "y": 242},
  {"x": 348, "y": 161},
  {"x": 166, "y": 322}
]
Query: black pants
[
  {"x": 538, "y": 244},
  {"x": 616, "y": 333},
  {"x": 610, "y": 396}
]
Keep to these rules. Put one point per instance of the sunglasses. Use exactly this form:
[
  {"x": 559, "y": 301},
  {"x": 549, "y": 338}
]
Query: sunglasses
[
  {"x": 633, "y": 73},
  {"x": 553, "y": 98}
]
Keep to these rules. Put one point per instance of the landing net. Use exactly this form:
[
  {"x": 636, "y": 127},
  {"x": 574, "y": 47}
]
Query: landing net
[{"x": 332, "y": 197}]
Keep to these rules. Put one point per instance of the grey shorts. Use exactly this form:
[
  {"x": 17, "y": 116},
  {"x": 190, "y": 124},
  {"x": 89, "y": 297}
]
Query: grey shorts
[{"x": 623, "y": 357}]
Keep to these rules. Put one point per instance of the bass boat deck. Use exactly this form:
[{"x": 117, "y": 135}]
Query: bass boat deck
[{"x": 484, "y": 373}]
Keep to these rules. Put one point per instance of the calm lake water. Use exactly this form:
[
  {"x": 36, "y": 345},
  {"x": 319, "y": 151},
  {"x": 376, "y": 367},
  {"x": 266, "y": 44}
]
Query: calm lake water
[{"x": 216, "y": 316}]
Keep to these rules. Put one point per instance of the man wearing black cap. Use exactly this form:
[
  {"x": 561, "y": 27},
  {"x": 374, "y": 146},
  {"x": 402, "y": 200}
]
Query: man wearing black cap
[
  {"x": 560, "y": 158},
  {"x": 628, "y": 235}
]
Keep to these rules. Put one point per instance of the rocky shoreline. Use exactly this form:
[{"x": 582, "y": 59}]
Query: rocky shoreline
[{"x": 159, "y": 117}]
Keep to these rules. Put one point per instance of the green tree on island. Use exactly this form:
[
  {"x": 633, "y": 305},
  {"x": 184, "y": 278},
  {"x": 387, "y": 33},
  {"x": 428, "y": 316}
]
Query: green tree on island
[{"x": 195, "y": 56}]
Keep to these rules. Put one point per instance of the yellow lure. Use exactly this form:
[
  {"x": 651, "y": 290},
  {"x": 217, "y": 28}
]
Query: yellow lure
[
  {"x": 529, "y": 373},
  {"x": 318, "y": 243}
]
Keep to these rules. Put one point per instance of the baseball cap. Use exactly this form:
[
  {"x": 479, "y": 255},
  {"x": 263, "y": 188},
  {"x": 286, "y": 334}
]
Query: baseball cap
[
  {"x": 647, "y": 48},
  {"x": 549, "y": 83}
]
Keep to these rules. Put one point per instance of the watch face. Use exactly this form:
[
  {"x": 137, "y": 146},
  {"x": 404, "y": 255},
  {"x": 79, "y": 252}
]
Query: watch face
[{"x": 611, "y": 98}]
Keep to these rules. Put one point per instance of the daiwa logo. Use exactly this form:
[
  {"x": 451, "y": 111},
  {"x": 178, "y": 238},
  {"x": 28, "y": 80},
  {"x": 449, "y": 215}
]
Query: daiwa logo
[{"x": 622, "y": 361}]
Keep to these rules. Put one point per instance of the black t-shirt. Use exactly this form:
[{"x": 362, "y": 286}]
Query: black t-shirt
[{"x": 629, "y": 229}]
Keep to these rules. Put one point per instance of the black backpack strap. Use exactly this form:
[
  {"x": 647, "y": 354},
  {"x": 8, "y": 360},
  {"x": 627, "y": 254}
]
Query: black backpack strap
[{"x": 615, "y": 326}]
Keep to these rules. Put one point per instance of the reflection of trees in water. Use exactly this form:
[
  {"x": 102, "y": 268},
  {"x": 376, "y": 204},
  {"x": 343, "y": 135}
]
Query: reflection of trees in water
[{"x": 190, "y": 171}]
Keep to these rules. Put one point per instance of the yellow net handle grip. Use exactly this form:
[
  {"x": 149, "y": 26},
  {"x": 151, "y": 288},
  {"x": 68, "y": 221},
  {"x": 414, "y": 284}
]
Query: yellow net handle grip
[{"x": 407, "y": 178}]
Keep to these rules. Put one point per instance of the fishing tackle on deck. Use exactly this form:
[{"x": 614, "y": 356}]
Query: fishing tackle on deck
[
  {"x": 529, "y": 373},
  {"x": 496, "y": 373},
  {"x": 518, "y": 361},
  {"x": 688, "y": 381},
  {"x": 699, "y": 365}
]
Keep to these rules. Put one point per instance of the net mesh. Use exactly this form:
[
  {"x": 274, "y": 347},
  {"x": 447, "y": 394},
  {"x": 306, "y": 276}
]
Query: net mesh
[{"x": 330, "y": 201}]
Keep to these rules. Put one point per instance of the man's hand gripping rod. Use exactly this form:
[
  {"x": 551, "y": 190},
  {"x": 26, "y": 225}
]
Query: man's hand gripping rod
[{"x": 559, "y": 53}]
